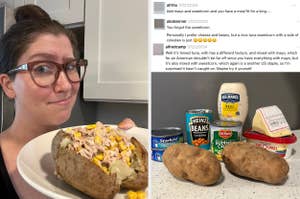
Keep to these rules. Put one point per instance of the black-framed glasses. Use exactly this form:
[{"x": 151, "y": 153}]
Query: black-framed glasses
[{"x": 46, "y": 73}]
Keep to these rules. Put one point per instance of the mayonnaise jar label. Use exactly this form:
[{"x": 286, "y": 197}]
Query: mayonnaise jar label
[
  {"x": 230, "y": 104},
  {"x": 233, "y": 102}
]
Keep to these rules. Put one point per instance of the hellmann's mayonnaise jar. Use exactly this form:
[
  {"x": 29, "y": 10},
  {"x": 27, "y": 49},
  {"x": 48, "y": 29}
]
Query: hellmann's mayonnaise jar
[{"x": 233, "y": 102}]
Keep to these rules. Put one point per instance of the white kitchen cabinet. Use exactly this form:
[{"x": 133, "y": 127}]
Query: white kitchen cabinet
[
  {"x": 65, "y": 11},
  {"x": 116, "y": 49}
]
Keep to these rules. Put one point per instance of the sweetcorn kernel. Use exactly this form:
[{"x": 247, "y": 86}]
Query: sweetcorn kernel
[
  {"x": 123, "y": 153},
  {"x": 105, "y": 169},
  {"x": 112, "y": 138},
  {"x": 136, "y": 195},
  {"x": 90, "y": 126},
  {"x": 108, "y": 128},
  {"x": 97, "y": 139},
  {"x": 131, "y": 147},
  {"x": 68, "y": 130},
  {"x": 132, "y": 195},
  {"x": 128, "y": 161},
  {"x": 114, "y": 144},
  {"x": 96, "y": 161},
  {"x": 118, "y": 138},
  {"x": 77, "y": 134},
  {"x": 141, "y": 195},
  {"x": 122, "y": 146},
  {"x": 100, "y": 156}
]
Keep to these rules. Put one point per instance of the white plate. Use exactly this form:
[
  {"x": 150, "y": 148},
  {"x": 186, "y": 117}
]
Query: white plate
[{"x": 35, "y": 165}]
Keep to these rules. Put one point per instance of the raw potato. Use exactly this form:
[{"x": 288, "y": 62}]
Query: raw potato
[
  {"x": 192, "y": 163},
  {"x": 248, "y": 160},
  {"x": 87, "y": 177}
]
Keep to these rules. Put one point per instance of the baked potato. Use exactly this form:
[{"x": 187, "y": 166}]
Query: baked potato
[
  {"x": 99, "y": 160},
  {"x": 192, "y": 163},
  {"x": 247, "y": 160}
]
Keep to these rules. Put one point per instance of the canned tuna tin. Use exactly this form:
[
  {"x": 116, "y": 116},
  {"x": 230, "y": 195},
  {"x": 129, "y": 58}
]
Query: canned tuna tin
[
  {"x": 157, "y": 154},
  {"x": 197, "y": 127},
  {"x": 223, "y": 133},
  {"x": 165, "y": 137}
]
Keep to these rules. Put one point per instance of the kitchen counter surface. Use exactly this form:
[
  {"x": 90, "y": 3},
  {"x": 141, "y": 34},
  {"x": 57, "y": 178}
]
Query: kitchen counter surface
[{"x": 164, "y": 185}]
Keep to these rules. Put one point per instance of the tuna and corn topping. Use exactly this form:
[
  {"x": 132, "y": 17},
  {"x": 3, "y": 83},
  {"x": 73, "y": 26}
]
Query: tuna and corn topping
[{"x": 103, "y": 145}]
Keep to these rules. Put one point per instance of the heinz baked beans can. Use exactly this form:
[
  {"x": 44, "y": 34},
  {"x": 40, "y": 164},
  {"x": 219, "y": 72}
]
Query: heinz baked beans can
[{"x": 198, "y": 127}]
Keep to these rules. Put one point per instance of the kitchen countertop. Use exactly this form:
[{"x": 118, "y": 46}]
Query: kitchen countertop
[{"x": 164, "y": 185}]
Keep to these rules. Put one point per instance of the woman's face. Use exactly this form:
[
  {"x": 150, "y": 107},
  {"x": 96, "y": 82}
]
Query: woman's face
[{"x": 52, "y": 105}]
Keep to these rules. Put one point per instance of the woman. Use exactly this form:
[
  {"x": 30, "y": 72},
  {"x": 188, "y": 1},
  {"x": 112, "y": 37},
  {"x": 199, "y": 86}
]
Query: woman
[{"x": 39, "y": 70}]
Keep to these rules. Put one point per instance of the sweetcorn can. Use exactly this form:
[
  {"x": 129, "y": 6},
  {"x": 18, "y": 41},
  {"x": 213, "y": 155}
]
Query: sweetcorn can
[
  {"x": 223, "y": 133},
  {"x": 198, "y": 127}
]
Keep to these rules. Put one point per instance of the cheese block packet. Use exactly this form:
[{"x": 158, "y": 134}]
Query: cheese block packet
[{"x": 271, "y": 122}]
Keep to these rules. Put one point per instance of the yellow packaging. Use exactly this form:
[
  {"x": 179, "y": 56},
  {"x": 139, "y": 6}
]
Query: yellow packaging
[{"x": 271, "y": 122}]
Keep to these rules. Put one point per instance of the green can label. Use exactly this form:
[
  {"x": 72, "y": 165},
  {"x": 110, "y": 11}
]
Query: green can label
[{"x": 221, "y": 138}]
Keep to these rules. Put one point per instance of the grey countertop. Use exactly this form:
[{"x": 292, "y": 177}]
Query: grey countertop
[{"x": 164, "y": 185}]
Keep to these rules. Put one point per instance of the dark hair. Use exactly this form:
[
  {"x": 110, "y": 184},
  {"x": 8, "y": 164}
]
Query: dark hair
[{"x": 31, "y": 21}]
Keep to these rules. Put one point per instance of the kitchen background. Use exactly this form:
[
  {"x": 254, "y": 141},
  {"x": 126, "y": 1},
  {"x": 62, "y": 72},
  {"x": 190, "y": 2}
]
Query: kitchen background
[
  {"x": 122, "y": 56},
  {"x": 175, "y": 93}
]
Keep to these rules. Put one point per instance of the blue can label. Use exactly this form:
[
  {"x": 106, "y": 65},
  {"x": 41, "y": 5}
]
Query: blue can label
[
  {"x": 164, "y": 142},
  {"x": 198, "y": 129},
  {"x": 157, "y": 155}
]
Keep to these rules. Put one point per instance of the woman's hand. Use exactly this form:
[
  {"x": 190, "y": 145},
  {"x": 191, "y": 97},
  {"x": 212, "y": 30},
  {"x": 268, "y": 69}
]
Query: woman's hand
[{"x": 126, "y": 124}]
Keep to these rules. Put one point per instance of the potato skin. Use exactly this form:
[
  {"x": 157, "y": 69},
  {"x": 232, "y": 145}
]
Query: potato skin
[
  {"x": 73, "y": 168},
  {"x": 248, "y": 160},
  {"x": 191, "y": 163},
  {"x": 141, "y": 179},
  {"x": 85, "y": 175},
  {"x": 60, "y": 135}
]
